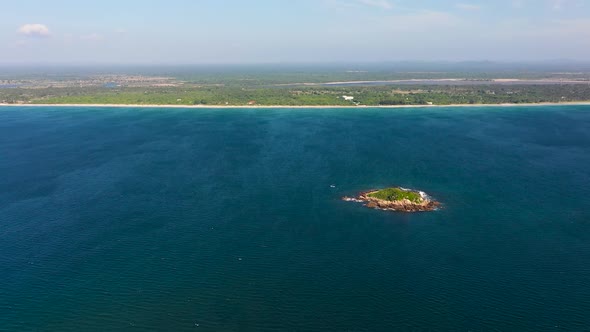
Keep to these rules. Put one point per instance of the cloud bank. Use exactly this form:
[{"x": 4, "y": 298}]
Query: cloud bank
[
  {"x": 383, "y": 4},
  {"x": 34, "y": 30}
]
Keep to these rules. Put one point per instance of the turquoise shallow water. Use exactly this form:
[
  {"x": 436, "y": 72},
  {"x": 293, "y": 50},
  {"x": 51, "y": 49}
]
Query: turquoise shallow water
[{"x": 169, "y": 219}]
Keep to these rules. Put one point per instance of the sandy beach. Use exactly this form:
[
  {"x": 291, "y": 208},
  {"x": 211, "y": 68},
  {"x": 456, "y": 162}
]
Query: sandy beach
[{"x": 582, "y": 103}]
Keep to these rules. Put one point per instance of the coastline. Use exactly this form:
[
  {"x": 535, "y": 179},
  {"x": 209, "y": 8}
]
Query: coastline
[
  {"x": 581, "y": 103},
  {"x": 396, "y": 199}
]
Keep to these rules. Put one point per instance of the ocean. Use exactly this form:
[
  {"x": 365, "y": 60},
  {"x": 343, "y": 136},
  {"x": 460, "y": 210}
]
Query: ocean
[{"x": 232, "y": 219}]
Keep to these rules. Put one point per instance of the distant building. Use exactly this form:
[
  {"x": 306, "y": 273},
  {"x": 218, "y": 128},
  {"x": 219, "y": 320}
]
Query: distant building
[
  {"x": 252, "y": 102},
  {"x": 348, "y": 98}
]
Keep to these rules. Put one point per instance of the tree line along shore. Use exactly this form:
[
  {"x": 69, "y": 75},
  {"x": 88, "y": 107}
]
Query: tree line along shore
[{"x": 220, "y": 95}]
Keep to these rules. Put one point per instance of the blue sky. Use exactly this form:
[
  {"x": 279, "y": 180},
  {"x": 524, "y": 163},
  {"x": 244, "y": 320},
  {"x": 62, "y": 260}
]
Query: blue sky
[{"x": 282, "y": 31}]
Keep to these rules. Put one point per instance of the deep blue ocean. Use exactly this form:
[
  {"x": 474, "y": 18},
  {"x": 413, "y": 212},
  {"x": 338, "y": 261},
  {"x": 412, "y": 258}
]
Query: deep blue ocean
[{"x": 225, "y": 220}]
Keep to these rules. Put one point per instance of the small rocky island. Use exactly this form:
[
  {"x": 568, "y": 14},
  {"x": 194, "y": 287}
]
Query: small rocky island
[{"x": 396, "y": 199}]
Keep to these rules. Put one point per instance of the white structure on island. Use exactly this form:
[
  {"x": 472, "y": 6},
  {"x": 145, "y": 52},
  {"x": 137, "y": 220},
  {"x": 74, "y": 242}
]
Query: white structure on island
[{"x": 348, "y": 98}]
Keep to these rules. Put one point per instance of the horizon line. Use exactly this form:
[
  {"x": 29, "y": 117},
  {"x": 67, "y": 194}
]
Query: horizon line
[{"x": 274, "y": 63}]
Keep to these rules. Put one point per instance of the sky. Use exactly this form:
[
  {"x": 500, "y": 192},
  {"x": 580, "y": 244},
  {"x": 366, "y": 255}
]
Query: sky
[{"x": 291, "y": 31}]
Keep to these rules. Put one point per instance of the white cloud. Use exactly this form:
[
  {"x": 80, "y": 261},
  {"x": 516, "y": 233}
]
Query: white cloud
[
  {"x": 21, "y": 43},
  {"x": 423, "y": 21},
  {"x": 574, "y": 28},
  {"x": 34, "y": 30},
  {"x": 468, "y": 6},
  {"x": 383, "y": 4},
  {"x": 518, "y": 3},
  {"x": 94, "y": 37},
  {"x": 557, "y": 4},
  {"x": 351, "y": 4}
]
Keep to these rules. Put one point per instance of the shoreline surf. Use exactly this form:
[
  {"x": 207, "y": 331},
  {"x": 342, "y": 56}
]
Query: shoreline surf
[{"x": 582, "y": 103}]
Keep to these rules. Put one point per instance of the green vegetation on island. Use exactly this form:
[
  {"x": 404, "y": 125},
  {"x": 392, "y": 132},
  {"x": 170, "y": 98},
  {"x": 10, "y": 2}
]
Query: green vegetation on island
[
  {"x": 396, "y": 199},
  {"x": 397, "y": 194}
]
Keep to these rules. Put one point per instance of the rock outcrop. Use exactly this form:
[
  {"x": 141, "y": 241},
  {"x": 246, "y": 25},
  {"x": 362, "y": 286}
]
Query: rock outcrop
[{"x": 407, "y": 201}]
